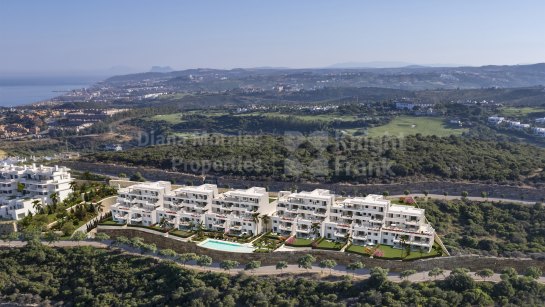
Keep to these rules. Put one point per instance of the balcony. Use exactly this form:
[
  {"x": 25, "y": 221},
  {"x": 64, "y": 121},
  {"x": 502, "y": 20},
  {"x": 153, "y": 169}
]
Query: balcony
[
  {"x": 136, "y": 220},
  {"x": 340, "y": 234}
]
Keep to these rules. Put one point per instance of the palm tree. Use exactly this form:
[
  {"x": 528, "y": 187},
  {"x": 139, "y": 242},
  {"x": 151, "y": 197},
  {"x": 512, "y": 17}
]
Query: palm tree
[
  {"x": 163, "y": 223},
  {"x": 403, "y": 239},
  {"x": 200, "y": 229},
  {"x": 266, "y": 220},
  {"x": 315, "y": 227},
  {"x": 54, "y": 198},
  {"x": 99, "y": 207},
  {"x": 37, "y": 205},
  {"x": 73, "y": 185}
]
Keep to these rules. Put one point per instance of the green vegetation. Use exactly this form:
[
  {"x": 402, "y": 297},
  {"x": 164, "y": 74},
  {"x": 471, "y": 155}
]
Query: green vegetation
[
  {"x": 409, "y": 125},
  {"x": 328, "y": 244},
  {"x": 521, "y": 111},
  {"x": 299, "y": 242},
  {"x": 267, "y": 243},
  {"x": 38, "y": 274},
  {"x": 415, "y": 156},
  {"x": 73, "y": 212},
  {"x": 174, "y": 118},
  {"x": 489, "y": 228}
]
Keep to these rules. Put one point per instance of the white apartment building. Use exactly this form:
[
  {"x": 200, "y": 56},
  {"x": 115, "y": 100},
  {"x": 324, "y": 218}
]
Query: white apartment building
[
  {"x": 302, "y": 214},
  {"x": 138, "y": 204},
  {"x": 361, "y": 218},
  {"x": 20, "y": 186},
  {"x": 237, "y": 212},
  {"x": 184, "y": 208},
  {"x": 539, "y": 131},
  {"x": 374, "y": 220}
]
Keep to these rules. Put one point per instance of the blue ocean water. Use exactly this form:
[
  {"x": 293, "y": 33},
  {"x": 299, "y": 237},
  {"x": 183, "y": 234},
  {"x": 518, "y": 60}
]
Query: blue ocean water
[
  {"x": 11, "y": 96},
  {"x": 20, "y": 91}
]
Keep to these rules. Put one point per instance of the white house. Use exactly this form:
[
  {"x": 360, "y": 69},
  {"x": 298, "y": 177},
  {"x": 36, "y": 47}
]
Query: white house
[
  {"x": 138, "y": 204},
  {"x": 20, "y": 186},
  {"x": 302, "y": 214},
  {"x": 539, "y": 131},
  {"x": 237, "y": 212},
  {"x": 495, "y": 120},
  {"x": 184, "y": 208}
]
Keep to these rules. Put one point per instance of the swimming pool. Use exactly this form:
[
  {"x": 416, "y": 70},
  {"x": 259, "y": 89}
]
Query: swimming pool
[{"x": 226, "y": 246}]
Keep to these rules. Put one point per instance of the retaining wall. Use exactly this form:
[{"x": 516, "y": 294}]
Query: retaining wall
[{"x": 472, "y": 262}]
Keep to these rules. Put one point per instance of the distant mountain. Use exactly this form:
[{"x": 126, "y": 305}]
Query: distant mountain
[
  {"x": 406, "y": 77},
  {"x": 377, "y": 64},
  {"x": 161, "y": 69}
]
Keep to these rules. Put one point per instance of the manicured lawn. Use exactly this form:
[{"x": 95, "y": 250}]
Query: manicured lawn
[
  {"x": 328, "y": 244},
  {"x": 410, "y": 125},
  {"x": 519, "y": 112},
  {"x": 174, "y": 118},
  {"x": 298, "y": 242},
  {"x": 357, "y": 249},
  {"x": 110, "y": 222},
  {"x": 393, "y": 253}
]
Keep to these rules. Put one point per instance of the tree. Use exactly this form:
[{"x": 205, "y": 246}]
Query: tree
[
  {"x": 435, "y": 272},
  {"x": 137, "y": 177},
  {"x": 355, "y": 266},
  {"x": 228, "y": 265},
  {"x": 102, "y": 236},
  {"x": 12, "y": 236},
  {"x": 315, "y": 227},
  {"x": 163, "y": 223},
  {"x": 73, "y": 185},
  {"x": 403, "y": 240},
  {"x": 533, "y": 272},
  {"x": 252, "y": 265},
  {"x": 405, "y": 274},
  {"x": 281, "y": 265},
  {"x": 151, "y": 248},
  {"x": 99, "y": 207},
  {"x": 79, "y": 236},
  {"x": 266, "y": 220},
  {"x": 385, "y": 193},
  {"x": 54, "y": 198},
  {"x": 485, "y": 273},
  {"x": 445, "y": 194},
  {"x": 204, "y": 260},
  {"x": 327, "y": 264},
  {"x": 306, "y": 261},
  {"x": 38, "y": 206},
  {"x": 51, "y": 237},
  {"x": 464, "y": 194},
  {"x": 186, "y": 257},
  {"x": 484, "y": 195},
  {"x": 426, "y": 192},
  {"x": 406, "y": 192},
  {"x": 68, "y": 228},
  {"x": 167, "y": 253}
]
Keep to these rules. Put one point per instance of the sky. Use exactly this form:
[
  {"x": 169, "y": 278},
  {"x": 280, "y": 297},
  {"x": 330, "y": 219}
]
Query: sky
[{"x": 95, "y": 36}]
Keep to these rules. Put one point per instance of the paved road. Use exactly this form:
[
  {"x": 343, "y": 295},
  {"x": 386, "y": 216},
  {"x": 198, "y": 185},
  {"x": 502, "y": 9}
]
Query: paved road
[{"x": 271, "y": 270}]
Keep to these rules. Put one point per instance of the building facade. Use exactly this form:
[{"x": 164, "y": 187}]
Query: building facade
[
  {"x": 138, "y": 203},
  {"x": 302, "y": 214},
  {"x": 184, "y": 208},
  {"x": 21, "y": 186},
  {"x": 369, "y": 220},
  {"x": 238, "y": 212}
]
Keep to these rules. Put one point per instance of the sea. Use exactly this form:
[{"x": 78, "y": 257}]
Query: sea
[{"x": 17, "y": 91}]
